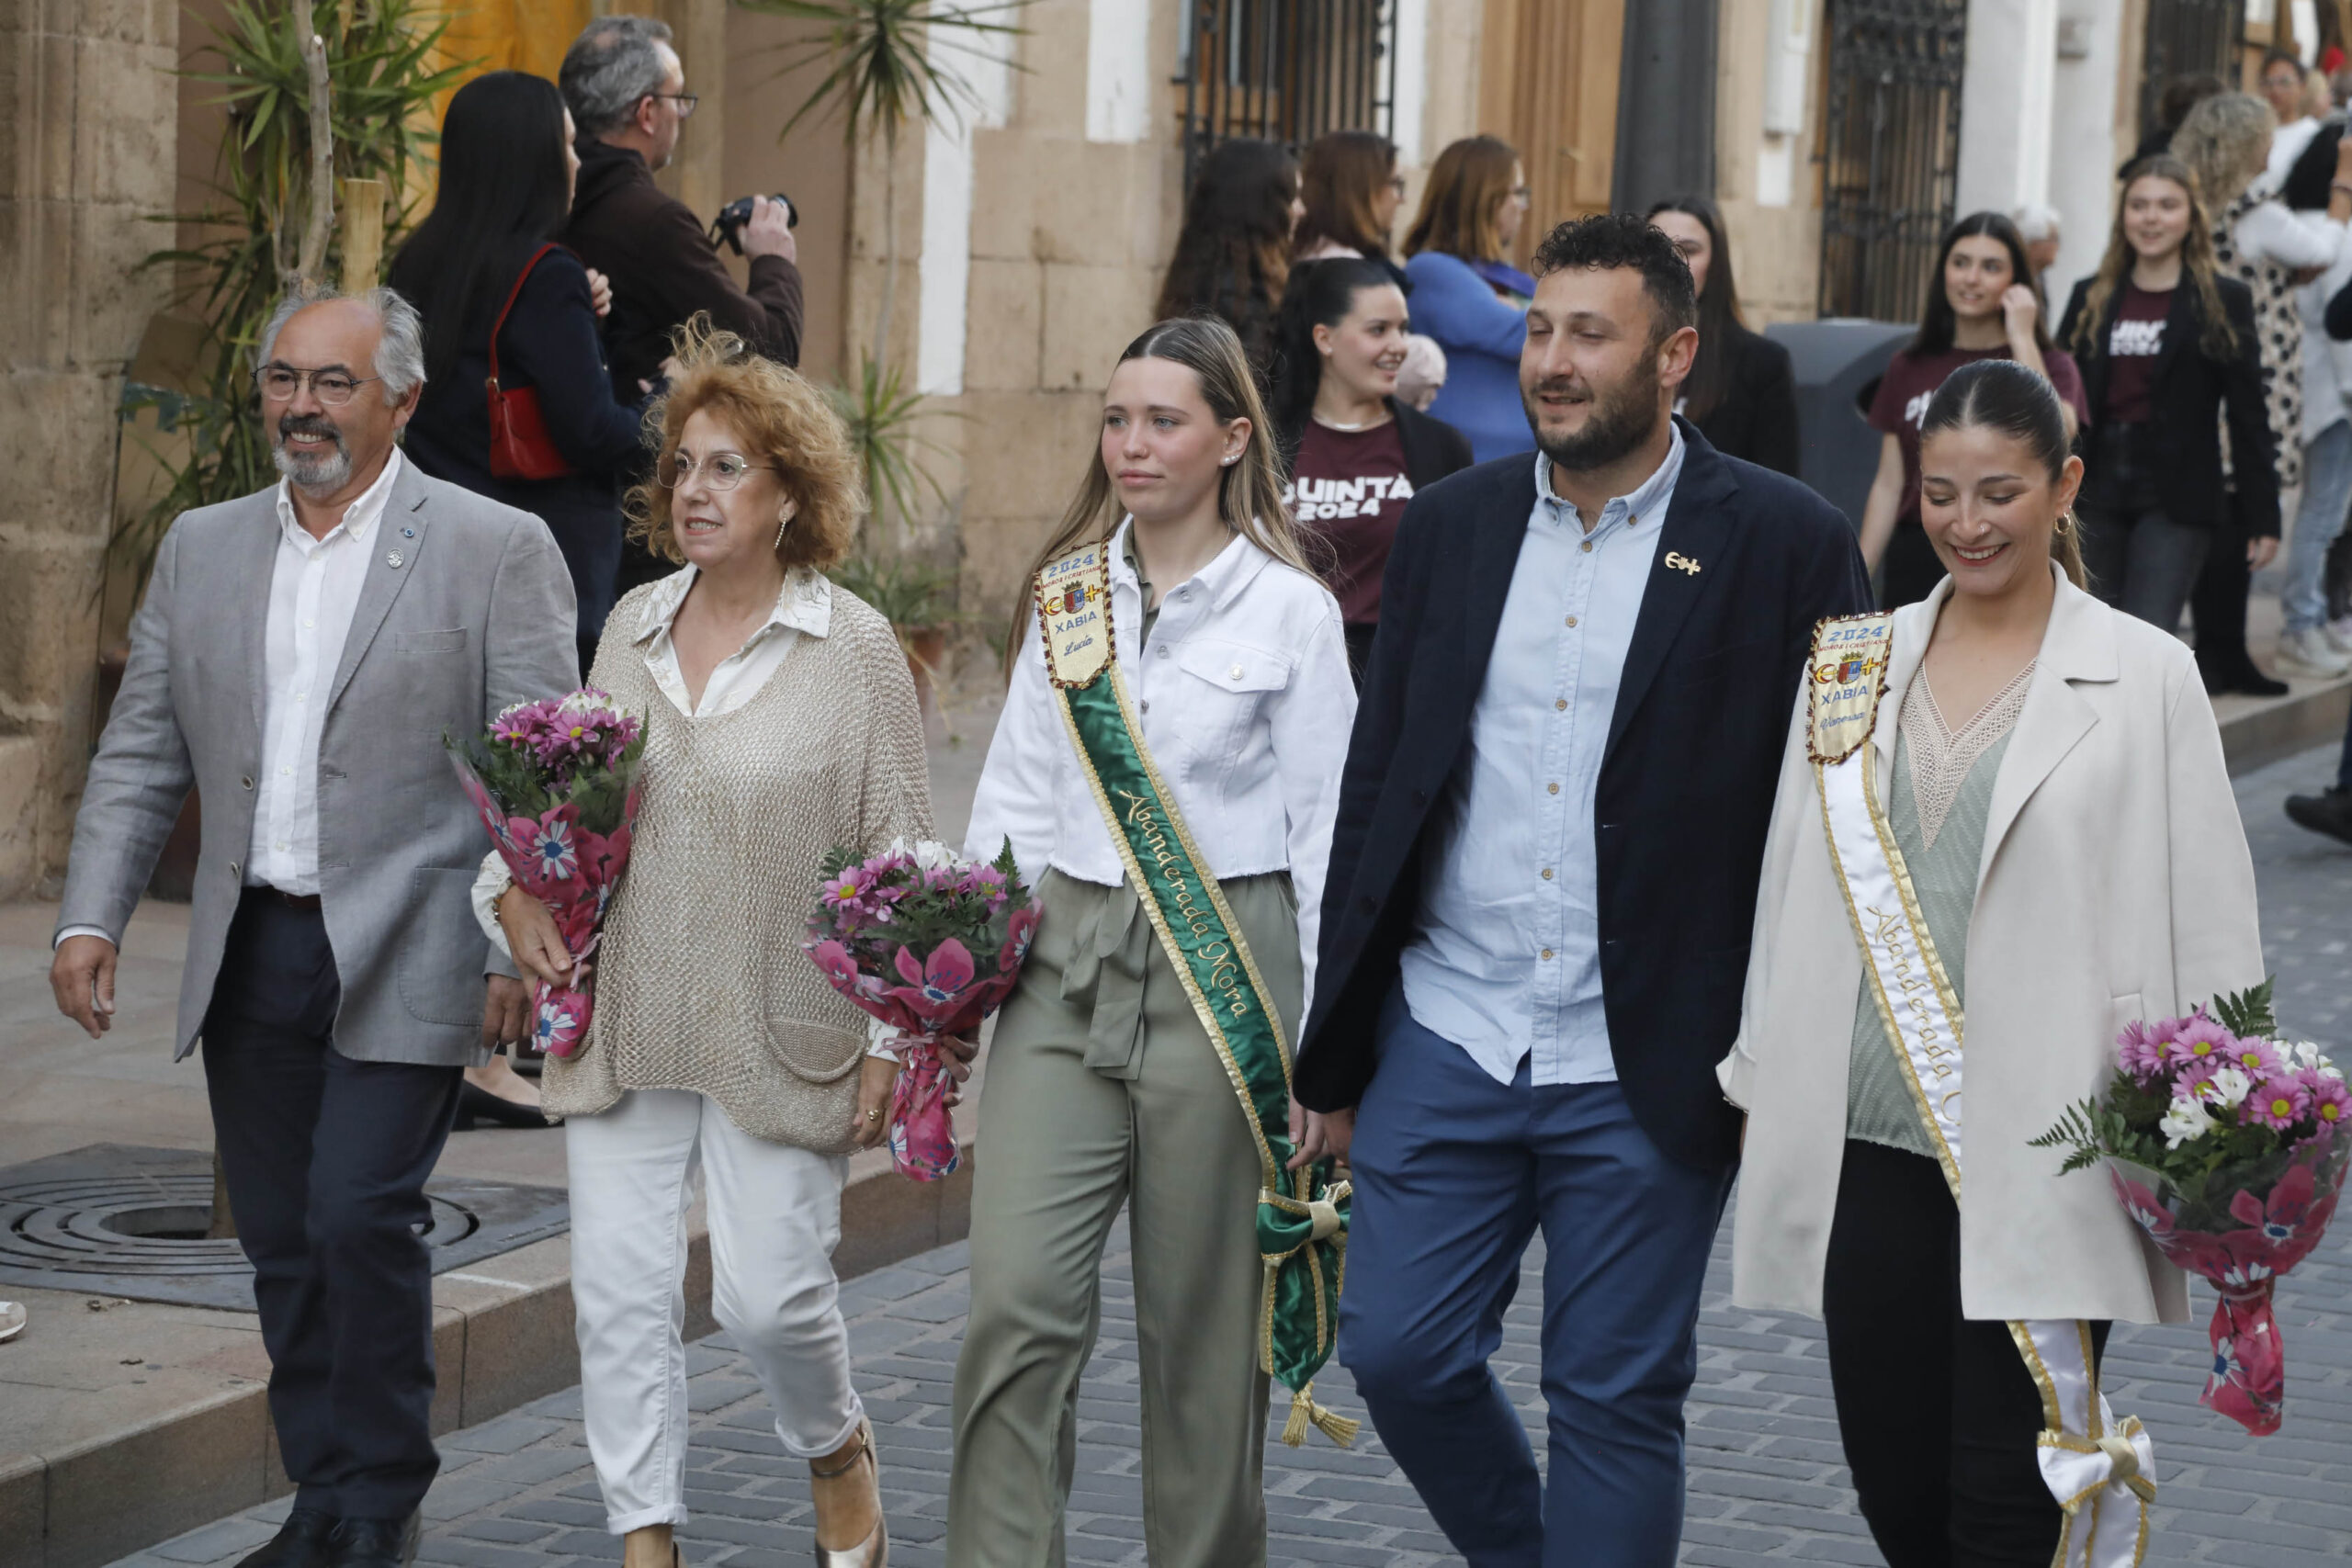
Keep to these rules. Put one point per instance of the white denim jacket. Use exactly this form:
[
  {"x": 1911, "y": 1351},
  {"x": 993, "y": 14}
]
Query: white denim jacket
[{"x": 1246, "y": 702}]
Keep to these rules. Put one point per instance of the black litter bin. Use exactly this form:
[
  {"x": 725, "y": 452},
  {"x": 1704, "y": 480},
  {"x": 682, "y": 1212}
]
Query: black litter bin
[{"x": 1839, "y": 363}]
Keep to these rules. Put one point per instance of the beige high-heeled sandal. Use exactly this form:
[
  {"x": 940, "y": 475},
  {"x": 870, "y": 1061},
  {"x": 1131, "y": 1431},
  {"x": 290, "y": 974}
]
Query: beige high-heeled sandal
[{"x": 874, "y": 1551}]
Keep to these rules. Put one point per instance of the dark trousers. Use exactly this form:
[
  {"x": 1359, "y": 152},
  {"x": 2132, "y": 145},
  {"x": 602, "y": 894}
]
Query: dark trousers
[
  {"x": 1453, "y": 1173},
  {"x": 2218, "y": 606},
  {"x": 325, "y": 1160},
  {"x": 2145, "y": 564},
  {"x": 1938, "y": 1415}
]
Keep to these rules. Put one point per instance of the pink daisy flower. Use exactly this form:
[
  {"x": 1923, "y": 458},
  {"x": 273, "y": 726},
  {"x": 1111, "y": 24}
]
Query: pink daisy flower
[
  {"x": 2200, "y": 1041},
  {"x": 2141, "y": 1054},
  {"x": 2278, "y": 1104},
  {"x": 2331, "y": 1101},
  {"x": 2256, "y": 1059}
]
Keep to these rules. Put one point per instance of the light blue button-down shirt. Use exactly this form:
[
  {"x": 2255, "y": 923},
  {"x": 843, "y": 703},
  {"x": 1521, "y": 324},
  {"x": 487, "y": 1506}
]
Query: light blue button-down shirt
[{"x": 1506, "y": 962}]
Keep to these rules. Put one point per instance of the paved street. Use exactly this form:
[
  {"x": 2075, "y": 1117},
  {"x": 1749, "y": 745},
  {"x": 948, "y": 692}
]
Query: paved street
[{"x": 1767, "y": 1484}]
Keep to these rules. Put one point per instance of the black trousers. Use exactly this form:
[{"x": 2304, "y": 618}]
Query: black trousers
[
  {"x": 325, "y": 1159},
  {"x": 1937, "y": 1412},
  {"x": 2219, "y": 606}
]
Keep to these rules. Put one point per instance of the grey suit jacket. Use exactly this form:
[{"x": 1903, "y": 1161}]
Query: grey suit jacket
[{"x": 479, "y": 615}]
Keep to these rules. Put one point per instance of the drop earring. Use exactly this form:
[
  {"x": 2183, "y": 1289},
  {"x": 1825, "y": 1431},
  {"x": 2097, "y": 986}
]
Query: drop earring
[{"x": 784, "y": 521}]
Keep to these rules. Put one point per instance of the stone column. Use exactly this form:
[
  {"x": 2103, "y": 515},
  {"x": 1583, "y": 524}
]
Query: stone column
[{"x": 87, "y": 152}]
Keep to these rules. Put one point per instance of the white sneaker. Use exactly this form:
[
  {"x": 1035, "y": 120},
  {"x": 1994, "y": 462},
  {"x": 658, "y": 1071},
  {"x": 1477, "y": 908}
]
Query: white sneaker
[
  {"x": 2307, "y": 652},
  {"x": 2338, "y": 633}
]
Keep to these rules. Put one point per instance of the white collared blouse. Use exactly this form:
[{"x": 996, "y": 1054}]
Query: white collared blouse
[{"x": 1246, "y": 705}]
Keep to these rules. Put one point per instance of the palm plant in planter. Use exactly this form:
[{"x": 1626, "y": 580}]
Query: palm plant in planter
[{"x": 883, "y": 68}]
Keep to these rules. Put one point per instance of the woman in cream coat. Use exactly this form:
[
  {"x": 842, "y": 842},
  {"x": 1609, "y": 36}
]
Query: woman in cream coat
[{"x": 2108, "y": 881}]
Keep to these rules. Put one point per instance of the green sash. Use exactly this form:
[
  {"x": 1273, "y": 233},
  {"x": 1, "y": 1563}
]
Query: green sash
[{"x": 1301, "y": 1216}]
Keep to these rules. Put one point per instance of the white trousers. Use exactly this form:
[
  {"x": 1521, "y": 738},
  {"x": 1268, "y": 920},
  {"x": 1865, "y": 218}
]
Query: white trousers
[{"x": 775, "y": 1217}]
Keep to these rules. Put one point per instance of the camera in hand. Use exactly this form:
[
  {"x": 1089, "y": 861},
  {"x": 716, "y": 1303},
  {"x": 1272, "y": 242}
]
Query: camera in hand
[{"x": 728, "y": 224}]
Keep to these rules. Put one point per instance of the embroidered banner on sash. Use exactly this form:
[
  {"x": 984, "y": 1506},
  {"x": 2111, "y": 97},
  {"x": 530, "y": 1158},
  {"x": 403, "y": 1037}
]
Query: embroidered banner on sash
[
  {"x": 2100, "y": 1470},
  {"x": 1300, "y": 1215}
]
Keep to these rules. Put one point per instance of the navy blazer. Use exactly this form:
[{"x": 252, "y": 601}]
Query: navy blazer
[{"x": 1685, "y": 793}]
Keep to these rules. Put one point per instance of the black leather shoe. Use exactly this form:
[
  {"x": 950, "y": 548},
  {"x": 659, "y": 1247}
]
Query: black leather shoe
[
  {"x": 374, "y": 1543},
  {"x": 2329, "y": 813},
  {"x": 300, "y": 1542}
]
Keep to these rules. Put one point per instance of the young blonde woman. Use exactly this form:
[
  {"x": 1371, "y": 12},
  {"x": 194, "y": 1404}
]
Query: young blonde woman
[
  {"x": 2051, "y": 776},
  {"x": 1104, "y": 1085},
  {"x": 2169, "y": 356},
  {"x": 780, "y": 722}
]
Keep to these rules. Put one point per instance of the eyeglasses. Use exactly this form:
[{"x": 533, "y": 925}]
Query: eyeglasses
[
  {"x": 280, "y": 383},
  {"x": 686, "y": 102},
  {"x": 1523, "y": 195},
  {"x": 720, "y": 473},
  {"x": 1396, "y": 186}
]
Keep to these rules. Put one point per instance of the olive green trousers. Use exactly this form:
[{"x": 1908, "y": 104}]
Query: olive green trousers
[{"x": 1102, "y": 1088}]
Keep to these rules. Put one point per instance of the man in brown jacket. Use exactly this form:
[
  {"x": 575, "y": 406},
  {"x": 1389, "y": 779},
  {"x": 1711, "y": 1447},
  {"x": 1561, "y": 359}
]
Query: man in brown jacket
[{"x": 627, "y": 95}]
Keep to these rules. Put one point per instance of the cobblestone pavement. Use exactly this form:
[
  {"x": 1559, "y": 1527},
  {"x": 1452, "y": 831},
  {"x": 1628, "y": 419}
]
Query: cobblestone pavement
[{"x": 1767, "y": 1482}]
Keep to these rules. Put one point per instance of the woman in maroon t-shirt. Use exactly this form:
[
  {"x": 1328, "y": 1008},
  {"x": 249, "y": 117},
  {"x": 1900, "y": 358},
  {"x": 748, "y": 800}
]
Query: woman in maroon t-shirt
[
  {"x": 1356, "y": 454},
  {"x": 1984, "y": 305}
]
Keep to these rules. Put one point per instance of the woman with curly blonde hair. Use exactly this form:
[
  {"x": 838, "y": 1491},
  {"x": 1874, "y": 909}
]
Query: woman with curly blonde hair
[{"x": 780, "y": 722}]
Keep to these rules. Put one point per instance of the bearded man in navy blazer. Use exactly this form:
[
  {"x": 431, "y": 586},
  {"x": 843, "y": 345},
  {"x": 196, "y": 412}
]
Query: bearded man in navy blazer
[{"x": 1551, "y": 828}]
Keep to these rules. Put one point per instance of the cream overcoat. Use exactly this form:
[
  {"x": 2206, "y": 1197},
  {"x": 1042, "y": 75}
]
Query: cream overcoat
[{"x": 2114, "y": 884}]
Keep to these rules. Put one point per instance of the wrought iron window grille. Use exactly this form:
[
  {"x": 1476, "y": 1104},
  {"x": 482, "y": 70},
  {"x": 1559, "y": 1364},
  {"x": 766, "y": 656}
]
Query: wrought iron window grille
[{"x": 1286, "y": 70}]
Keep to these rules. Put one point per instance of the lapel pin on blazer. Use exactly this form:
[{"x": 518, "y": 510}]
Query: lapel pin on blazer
[
  {"x": 394, "y": 559},
  {"x": 1676, "y": 562}
]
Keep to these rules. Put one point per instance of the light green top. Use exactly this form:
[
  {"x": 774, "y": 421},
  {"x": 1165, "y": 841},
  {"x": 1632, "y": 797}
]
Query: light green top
[{"x": 1943, "y": 792}]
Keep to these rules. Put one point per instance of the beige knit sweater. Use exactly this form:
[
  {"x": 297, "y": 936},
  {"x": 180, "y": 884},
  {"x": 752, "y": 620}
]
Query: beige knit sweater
[{"x": 701, "y": 983}]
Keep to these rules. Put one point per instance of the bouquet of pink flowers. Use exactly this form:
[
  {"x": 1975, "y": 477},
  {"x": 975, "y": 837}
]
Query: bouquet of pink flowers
[
  {"x": 930, "y": 945},
  {"x": 2228, "y": 1146},
  {"x": 556, "y": 783}
]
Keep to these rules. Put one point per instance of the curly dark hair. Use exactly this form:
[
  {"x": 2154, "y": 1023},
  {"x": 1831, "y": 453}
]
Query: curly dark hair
[{"x": 1613, "y": 239}]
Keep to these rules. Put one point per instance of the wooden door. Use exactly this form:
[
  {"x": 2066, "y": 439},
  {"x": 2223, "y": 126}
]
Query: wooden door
[{"x": 1548, "y": 85}]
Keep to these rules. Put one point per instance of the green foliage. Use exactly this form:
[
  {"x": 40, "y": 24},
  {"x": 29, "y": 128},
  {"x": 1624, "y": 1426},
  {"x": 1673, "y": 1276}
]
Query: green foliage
[
  {"x": 379, "y": 72},
  {"x": 878, "y": 70},
  {"x": 882, "y": 417},
  {"x": 2248, "y": 1012},
  {"x": 907, "y": 592}
]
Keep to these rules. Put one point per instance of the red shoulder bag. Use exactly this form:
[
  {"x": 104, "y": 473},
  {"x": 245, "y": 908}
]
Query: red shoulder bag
[{"x": 520, "y": 447}]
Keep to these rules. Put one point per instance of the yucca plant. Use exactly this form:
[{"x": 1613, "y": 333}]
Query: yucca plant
[
  {"x": 381, "y": 77},
  {"x": 882, "y": 417}
]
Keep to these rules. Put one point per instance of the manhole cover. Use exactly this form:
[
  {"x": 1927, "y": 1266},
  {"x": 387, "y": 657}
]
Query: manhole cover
[{"x": 116, "y": 1220}]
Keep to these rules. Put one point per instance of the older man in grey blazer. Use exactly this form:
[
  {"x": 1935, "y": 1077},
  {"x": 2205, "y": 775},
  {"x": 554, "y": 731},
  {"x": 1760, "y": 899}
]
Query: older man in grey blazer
[{"x": 299, "y": 657}]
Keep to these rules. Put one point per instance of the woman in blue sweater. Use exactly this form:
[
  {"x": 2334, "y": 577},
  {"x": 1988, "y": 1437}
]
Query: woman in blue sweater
[
  {"x": 1467, "y": 297},
  {"x": 507, "y": 167}
]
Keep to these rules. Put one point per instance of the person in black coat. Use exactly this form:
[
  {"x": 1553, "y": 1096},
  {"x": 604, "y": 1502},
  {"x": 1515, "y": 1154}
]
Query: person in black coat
[
  {"x": 507, "y": 167},
  {"x": 1741, "y": 393},
  {"x": 1355, "y": 451},
  {"x": 1535, "y": 929},
  {"x": 2167, "y": 352}
]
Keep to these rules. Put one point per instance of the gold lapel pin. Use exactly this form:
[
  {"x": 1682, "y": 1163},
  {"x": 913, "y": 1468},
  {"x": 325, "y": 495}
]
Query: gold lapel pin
[{"x": 1676, "y": 562}]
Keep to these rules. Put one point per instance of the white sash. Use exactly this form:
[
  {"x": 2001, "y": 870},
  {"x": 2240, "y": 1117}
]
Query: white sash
[{"x": 2101, "y": 1471}]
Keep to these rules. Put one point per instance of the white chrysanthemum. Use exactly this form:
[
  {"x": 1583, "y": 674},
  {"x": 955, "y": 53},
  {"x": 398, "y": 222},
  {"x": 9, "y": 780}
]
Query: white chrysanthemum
[
  {"x": 2188, "y": 1119},
  {"x": 2308, "y": 1054},
  {"x": 2228, "y": 1087},
  {"x": 929, "y": 854}
]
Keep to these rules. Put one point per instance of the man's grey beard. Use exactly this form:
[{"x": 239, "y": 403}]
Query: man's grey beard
[
  {"x": 1622, "y": 419},
  {"x": 324, "y": 473}
]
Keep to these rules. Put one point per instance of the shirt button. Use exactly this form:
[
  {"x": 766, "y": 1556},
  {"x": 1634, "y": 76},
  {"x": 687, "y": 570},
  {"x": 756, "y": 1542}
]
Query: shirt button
[
  {"x": 308, "y": 624},
  {"x": 287, "y": 773},
  {"x": 1586, "y": 546},
  {"x": 1234, "y": 673},
  {"x": 1572, "y": 621},
  {"x": 1560, "y": 703},
  {"x": 1547, "y": 874},
  {"x": 1183, "y": 594},
  {"x": 1163, "y": 650},
  {"x": 1547, "y": 953},
  {"x": 1145, "y": 706},
  {"x": 245, "y": 783},
  {"x": 281, "y": 848},
  {"x": 1553, "y": 788}
]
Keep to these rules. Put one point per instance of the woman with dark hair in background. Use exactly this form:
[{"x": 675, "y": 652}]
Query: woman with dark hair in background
[
  {"x": 1233, "y": 254},
  {"x": 1741, "y": 393},
  {"x": 1350, "y": 188},
  {"x": 507, "y": 167},
  {"x": 1983, "y": 305},
  {"x": 1355, "y": 449},
  {"x": 1467, "y": 296},
  {"x": 2180, "y": 94},
  {"x": 2225, "y": 142},
  {"x": 2167, "y": 348}
]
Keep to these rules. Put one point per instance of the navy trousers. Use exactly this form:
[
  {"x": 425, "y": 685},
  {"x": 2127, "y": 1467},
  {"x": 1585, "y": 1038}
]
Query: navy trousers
[
  {"x": 325, "y": 1160},
  {"x": 1453, "y": 1173}
]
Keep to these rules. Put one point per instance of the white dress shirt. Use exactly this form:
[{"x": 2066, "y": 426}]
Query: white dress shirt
[
  {"x": 313, "y": 589},
  {"x": 1246, "y": 703},
  {"x": 1506, "y": 958}
]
